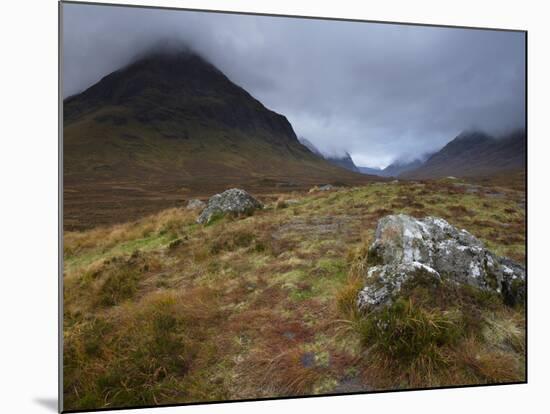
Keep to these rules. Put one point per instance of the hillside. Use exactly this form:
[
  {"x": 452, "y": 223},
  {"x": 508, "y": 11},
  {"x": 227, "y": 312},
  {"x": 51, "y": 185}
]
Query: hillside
[
  {"x": 344, "y": 161},
  {"x": 400, "y": 167},
  {"x": 172, "y": 126},
  {"x": 475, "y": 154},
  {"x": 369, "y": 170}
]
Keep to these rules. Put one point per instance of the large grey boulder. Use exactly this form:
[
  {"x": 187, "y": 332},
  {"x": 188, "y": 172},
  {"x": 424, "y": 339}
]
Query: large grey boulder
[
  {"x": 406, "y": 248},
  {"x": 233, "y": 201}
]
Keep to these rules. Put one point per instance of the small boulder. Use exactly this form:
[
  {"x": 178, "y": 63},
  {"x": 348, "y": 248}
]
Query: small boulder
[
  {"x": 324, "y": 187},
  {"x": 233, "y": 201},
  {"x": 195, "y": 204},
  {"x": 406, "y": 248}
]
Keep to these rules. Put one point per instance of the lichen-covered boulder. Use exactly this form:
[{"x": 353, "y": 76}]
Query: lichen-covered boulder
[
  {"x": 403, "y": 244},
  {"x": 386, "y": 282},
  {"x": 233, "y": 201},
  {"x": 195, "y": 204}
]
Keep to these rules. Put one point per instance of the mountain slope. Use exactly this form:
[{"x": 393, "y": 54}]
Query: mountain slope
[
  {"x": 170, "y": 126},
  {"x": 475, "y": 154},
  {"x": 371, "y": 171},
  {"x": 394, "y": 169},
  {"x": 399, "y": 167},
  {"x": 309, "y": 145},
  {"x": 345, "y": 161}
]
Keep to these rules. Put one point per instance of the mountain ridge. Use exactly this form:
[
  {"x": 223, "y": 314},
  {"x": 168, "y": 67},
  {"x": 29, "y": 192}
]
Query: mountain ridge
[
  {"x": 394, "y": 169},
  {"x": 345, "y": 161},
  {"x": 473, "y": 154}
]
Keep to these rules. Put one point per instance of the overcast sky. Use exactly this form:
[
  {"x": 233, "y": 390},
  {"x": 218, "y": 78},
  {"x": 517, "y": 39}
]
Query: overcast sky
[{"x": 382, "y": 92}]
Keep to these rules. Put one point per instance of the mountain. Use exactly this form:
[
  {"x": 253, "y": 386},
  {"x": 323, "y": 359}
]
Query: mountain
[
  {"x": 309, "y": 145},
  {"x": 394, "y": 169},
  {"x": 170, "y": 126},
  {"x": 399, "y": 167},
  {"x": 344, "y": 161},
  {"x": 475, "y": 154},
  {"x": 371, "y": 171}
]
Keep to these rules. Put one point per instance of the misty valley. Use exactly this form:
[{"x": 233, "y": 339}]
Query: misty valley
[{"x": 211, "y": 253}]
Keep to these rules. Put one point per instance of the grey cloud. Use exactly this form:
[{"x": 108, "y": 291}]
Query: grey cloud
[{"x": 381, "y": 92}]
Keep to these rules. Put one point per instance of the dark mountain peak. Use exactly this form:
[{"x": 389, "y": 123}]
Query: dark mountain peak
[
  {"x": 175, "y": 63},
  {"x": 175, "y": 91},
  {"x": 160, "y": 71},
  {"x": 166, "y": 48},
  {"x": 176, "y": 88},
  {"x": 472, "y": 136}
]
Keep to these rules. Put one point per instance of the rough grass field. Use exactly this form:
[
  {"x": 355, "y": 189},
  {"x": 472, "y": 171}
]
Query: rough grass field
[
  {"x": 163, "y": 310},
  {"x": 116, "y": 173}
]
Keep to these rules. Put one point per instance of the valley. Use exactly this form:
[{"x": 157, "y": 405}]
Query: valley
[
  {"x": 290, "y": 294},
  {"x": 172, "y": 127}
]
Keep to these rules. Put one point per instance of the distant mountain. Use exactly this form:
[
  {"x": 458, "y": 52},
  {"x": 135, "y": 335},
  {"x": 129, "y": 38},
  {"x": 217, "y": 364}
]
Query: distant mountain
[
  {"x": 394, "y": 169},
  {"x": 475, "y": 153},
  {"x": 309, "y": 145},
  {"x": 370, "y": 171},
  {"x": 399, "y": 167},
  {"x": 344, "y": 161},
  {"x": 172, "y": 125}
]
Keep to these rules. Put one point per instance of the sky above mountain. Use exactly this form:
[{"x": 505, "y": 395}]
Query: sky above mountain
[{"x": 381, "y": 92}]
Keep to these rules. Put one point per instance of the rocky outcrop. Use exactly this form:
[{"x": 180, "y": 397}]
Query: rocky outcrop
[
  {"x": 407, "y": 250},
  {"x": 233, "y": 201},
  {"x": 195, "y": 204}
]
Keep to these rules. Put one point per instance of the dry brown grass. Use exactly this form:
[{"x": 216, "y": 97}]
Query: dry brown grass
[
  {"x": 458, "y": 337},
  {"x": 171, "y": 220},
  {"x": 143, "y": 353},
  {"x": 204, "y": 312}
]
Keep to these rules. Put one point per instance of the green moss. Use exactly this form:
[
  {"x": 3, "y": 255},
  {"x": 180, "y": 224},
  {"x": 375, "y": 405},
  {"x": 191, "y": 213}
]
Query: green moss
[
  {"x": 300, "y": 293},
  {"x": 215, "y": 219},
  {"x": 154, "y": 241},
  {"x": 331, "y": 267}
]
